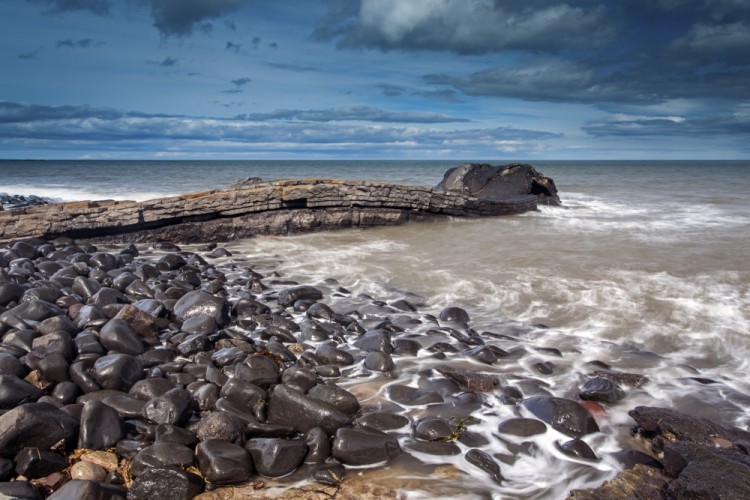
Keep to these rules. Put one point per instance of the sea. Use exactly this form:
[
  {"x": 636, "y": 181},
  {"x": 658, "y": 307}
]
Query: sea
[{"x": 646, "y": 268}]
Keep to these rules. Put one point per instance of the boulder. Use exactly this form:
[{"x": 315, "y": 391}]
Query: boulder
[{"x": 500, "y": 182}]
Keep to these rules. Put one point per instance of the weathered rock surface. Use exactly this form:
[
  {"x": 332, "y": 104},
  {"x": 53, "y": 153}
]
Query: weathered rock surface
[{"x": 286, "y": 206}]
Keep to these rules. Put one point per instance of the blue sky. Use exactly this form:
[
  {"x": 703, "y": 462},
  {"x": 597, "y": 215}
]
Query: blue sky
[{"x": 413, "y": 79}]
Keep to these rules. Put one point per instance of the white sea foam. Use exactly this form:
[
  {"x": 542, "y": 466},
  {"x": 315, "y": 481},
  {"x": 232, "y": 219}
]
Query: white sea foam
[{"x": 69, "y": 193}]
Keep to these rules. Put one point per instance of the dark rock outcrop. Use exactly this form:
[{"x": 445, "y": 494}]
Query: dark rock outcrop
[
  {"x": 286, "y": 206},
  {"x": 500, "y": 182}
]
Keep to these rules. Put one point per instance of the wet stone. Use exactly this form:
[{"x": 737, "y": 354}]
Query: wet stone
[
  {"x": 291, "y": 408},
  {"x": 14, "y": 391},
  {"x": 117, "y": 371},
  {"x": 167, "y": 433},
  {"x": 37, "y": 425},
  {"x": 412, "y": 396},
  {"x": 341, "y": 399},
  {"x": 438, "y": 448},
  {"x": 602, "y": 390},
  {"x": 330, "y": 355},
  {"x": 101, "y": 426},
  {"x": 524, "y": 427},
  {"x": 173, "y": 407},
  {"x": 577, "y": 448},
  {"x": 221, "y": 462},
  {"x": 289, "y": 296},
  {"x": 276, "y": 457},
  {"x": 382, "y": 421},
  {"x": 454, "y": 315},
  {"x": 482, "y": 354},
  {"x": 432, "y": 429},
  {"x": 329, "y": 474},
  {"x": 34, "y": 463},
  {"x": 379, "y": 362},
  {"x": 363, "y": 446},
  {"x": 87, "y": 471},
  {"x": 165, "y": 483},
  {"x": 200, "y": 303},
  {"x": 563, "y": 415},
  {"x": 318, "y": 446},
  {"x": 219, "y": 425},
  {"x": 486, "y": 463},
  {"x": 468, "y": 380},
  {"x": 160, "y": 455}
]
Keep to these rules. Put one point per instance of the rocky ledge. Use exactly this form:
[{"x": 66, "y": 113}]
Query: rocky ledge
[{"x": 279, "y": 207}]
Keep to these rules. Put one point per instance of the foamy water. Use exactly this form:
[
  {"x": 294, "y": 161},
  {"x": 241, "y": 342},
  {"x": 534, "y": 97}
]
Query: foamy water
[{"x": 646, "y": 270}]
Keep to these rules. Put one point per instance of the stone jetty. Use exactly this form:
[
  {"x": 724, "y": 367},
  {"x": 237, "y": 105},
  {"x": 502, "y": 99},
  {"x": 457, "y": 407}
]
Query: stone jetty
[{"x": 254, "y": 207}]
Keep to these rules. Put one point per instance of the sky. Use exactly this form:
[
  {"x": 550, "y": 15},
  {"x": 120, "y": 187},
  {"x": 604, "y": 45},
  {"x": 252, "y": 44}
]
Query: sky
[{"x": 374, "y": 79}]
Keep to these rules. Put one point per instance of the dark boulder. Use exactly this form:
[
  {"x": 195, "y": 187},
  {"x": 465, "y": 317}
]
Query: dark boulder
[
  {"x": 275, "y": 457},
  {"x": 364, "y": 446},
  {"x": 291, "y": 408},
  {"x": 602, "y": 390},
  {"x": 485, "y": 462},
  {"x": 101, "y": 427},
  {"x": 221, "y": 462},
  {"x": 563, "y": 415},
  {"x": 165, "y": 483},
  {"x": 200, "y": 303},
  {"x": 161, "y": 455},
  {"x": 15, "y": 391},
  {"x": 524, "y": 427},
  {"x": 501, "y": 182},
  {"x": 117, "y": 371},
  {"x": 289, "y": 296},
  {"x": 39, "y": 425}
]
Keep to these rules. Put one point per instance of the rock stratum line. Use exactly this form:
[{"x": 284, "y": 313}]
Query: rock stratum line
[{"x": 254, "y": 207}]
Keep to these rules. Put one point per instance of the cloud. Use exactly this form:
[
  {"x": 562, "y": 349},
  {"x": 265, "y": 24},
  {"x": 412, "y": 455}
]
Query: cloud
[
  {"x": 233, "y": 47},
  {"x": 239, "y": 82},
  {"x": 100, "y": 7},
  {"x": 83, "y": 43},
  {"x": 167, "y": 62},
  {"x": 232, "y": 91},
  {"x": 357, "y": 113},
  {"x": 291, "y": 67},
  {"x": 28, "y": 55},
  {"x": 390, "y": 90},
  {"x": 181, "y": 17},
  {"x": 465, "y": 26},
  {"x": 734, "y": 123},
  {"x": 73, "y": 126}
]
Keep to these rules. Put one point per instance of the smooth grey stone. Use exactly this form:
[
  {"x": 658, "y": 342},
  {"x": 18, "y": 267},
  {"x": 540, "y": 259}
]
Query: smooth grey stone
[
  {"x": 341, "y": 399},
  {"x": 382, "y": 421},
  {"x": 258, "y": 370},
  {"x": 577, "y": 448},
  {"x": 150, "y": 388},
  {"x": 160, "y": 455},
  {"x": 274, "y": 457},
  {"x": 242, "y": 393},
  {"x": 173, "y": 407},
  {"x": 524, "y": 427},
  {"x": 454, "y": 315},
  {"x": 165, "y": 483},
  {"x": 101, "y": 426},
  {"x": 223, "y": 463},
  {"x": 563, "y": 415},
  {"x": 485, "y": 462},
  {"x": 318, "y": 446},
  {"x": 219, "y": 425},
  {"x": 167, "y": 433},
  {"x": 205, "y": 325},
  {"x": 331, "y": 355},
  {"x": 35, "y": 463},
  {"x": 292, "y": 408},
  {"x": 438, "y": 448},
  {"x": 118, "y": 371},
  {"x": 602, "y": 390},
  {"x": 19, "y": 490},
  {"x": 363, "y": 446},
  {"x": 77, "y": 489},
  {"x": 200, "y": 303},
  {"x": 289, "y": 296},
  {"x": 432, "y": 429},
  {"x": 117, "y": 335},
  {"x": 301, "y": 379},
  {"x": 39, "y": 425},
  {"x": 125, "y": 406},
  {"x": 379, "y": 362},
  {"x": 15, "y": 391},
  {"x": 375, "y": 340},
  {"x": 412, "y": 396}
]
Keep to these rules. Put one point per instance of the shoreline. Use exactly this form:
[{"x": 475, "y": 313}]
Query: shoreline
[{"x": 318, "y": 353}]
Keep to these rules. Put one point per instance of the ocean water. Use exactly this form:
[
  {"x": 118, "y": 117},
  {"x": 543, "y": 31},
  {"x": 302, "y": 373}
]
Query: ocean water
[{"x": 646, "y": 268}]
